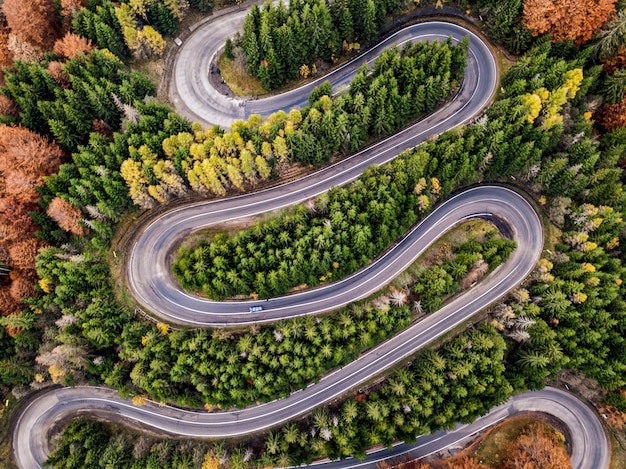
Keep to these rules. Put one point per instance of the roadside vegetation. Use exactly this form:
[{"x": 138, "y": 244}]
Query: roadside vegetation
[
  {"x": 97, "y": 148},
  {"x": 527, "y": 441}
]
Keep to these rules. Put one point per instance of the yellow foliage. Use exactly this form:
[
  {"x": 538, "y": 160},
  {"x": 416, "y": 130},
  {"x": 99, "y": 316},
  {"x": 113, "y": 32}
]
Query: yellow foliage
[
  {"x": 110, "y": 55},
  {"x": 39, "y": 378},
  {"x": 305, "y": 71},
  {"x": 420, "y": 186},
  {"x": 295, "y": 116},
  {"x": 56, "y": 373},
  {"x": 157, "y": 193},
  {"x": 138, "y": 7},
  {"x": 139, "y": 400},
  {"x": 593, "y": 281},
  {"x": 144, "y": 340},
  {"x": 543, "y": 94},
  {"x": 435, "y": 186},
  {"x": 587, "y": 115},
  {"x": 45, "y": 284},
  {"x": 266, "y": 150},
  {"x": 618, "y": 281},
  {"x": 613, "y": 243},
  {"x": 210, "y": 461},
  {"x": 579, "y": 297},
  {"x": 545, "y": 265},
  {"x": 131, "y": 171},
  {"x": 588, "y": 246},
  {"x": 533, "y": 103},
  {"x": 163, "y": 328},
  {"x": 423, "y": 202},
  {"x": 543, "y": 200},
  {"x": 263, "y": 168},
  {"x": 573, "y": 79},
  {"x": 326, "y": 102},
  {"x": 552, "y": 121},
  {"x": 588, "y": 267},
  {"x": 154, "y": 40}
]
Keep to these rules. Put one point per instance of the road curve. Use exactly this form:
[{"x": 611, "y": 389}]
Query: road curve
[
  {"x": 149, "y": 275},
  {"x": 147, "y": 266},
  {"x": 195, "y": 97},
  {"x": 153, "y": 285},
  {"x": 31, "y": 436}
]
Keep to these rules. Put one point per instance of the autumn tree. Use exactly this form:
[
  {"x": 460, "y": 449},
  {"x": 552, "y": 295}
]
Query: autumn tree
[
  {"x": 26, "y": 158},
  {"x": 567, "y": 19},
  {"x": 6, "y": 57},
  {"x": 55, "y": 69},
  {"x": 35, "y": 22},
  {"x": 72, "y": 45},
  {"x": 66, "y": 215},
  {"x": 612, "y": 116},
  {"x": 7, "y": 107},
  {"x": 538, "y": 449}
]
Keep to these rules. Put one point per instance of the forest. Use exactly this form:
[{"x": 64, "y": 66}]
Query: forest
[{"x": 105, "y": 148}]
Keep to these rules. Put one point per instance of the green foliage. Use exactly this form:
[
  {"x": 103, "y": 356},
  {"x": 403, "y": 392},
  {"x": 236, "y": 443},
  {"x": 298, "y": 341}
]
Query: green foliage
[
  {"x": 162, "y": 19},
  {"x": 68, "y": 114},
  {"x": 573, "y": 311},
  {"x": 616, "y": 399},
  {"x": 203, "y": 6},
  {"x": 277, "y": 41},
  {"x": 100, "y": 24},
  {"x": 503, "y": 22},
  {"x": 93, "y": 180},
  {"x": 457, "y": 382},
  {"x": 276, "y": 360}
]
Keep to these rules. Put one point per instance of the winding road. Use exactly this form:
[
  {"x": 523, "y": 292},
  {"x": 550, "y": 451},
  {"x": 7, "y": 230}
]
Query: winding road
[
  {"x": 149, "y": 274},
  {"x": 590, "y": 448},
  {"x": 151, "y": 282}
]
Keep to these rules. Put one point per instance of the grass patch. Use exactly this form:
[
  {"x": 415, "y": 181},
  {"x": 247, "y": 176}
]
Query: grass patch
[{"x": 241, "y": 84}]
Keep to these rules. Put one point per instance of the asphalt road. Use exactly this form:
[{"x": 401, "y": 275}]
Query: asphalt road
[
  {"x": 590, "y": 447},
  {"x": 194, "y": 96},
  {"x": 148, "y": 274},
  {"x": 149, "y": 262}
]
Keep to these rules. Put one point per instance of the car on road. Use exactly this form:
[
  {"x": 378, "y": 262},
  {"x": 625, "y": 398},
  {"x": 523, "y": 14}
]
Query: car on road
[{"x": 256, "y": 309}]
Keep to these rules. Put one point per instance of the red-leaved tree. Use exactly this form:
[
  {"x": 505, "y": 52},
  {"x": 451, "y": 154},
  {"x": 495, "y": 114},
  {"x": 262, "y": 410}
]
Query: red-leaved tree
[
  {"x": 567, "y": 19},
  {"x": 33, "y": 21},
  {"x": 26, "y": 158}
]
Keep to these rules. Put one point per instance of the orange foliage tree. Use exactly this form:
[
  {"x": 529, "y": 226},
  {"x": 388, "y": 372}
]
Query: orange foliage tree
[
  {"x": 615, "y": 62},
  {"x": 567, "y": 19},
  {"x": 66, "y": 215},
  {"x": 612, "y": 116},
  {"x": 538, "y": 449},
  {"x": 55, "y": 69},
  {"x": 33, "y": 21},
  {"x": 6, "y": 57},
  {"x": 26, "y": 158},
  {"x": 72, "y": 45}
]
